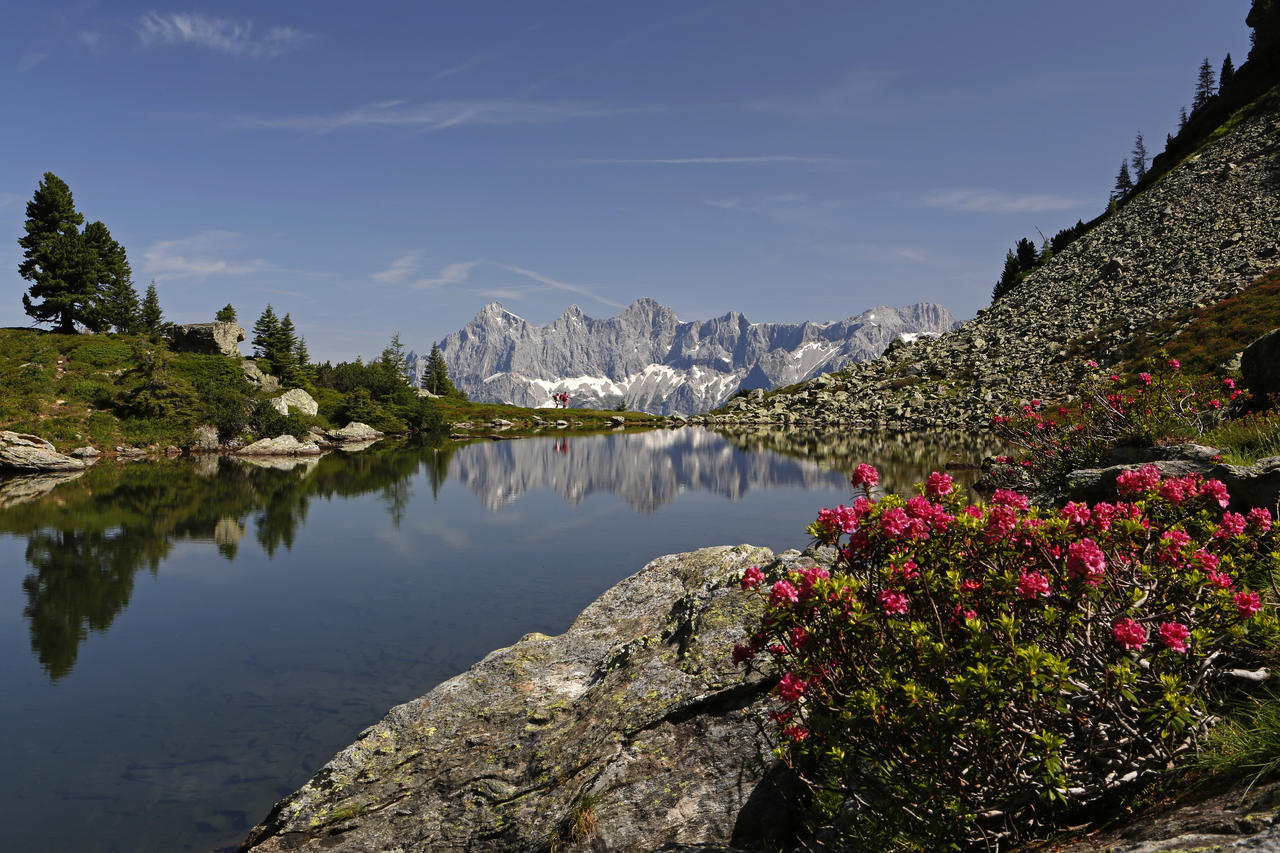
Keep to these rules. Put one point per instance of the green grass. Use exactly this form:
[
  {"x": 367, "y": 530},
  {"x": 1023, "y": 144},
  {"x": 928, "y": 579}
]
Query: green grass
[
  {"x": 1247, "y": 439},
  {"x": 1246, "y": 744}
]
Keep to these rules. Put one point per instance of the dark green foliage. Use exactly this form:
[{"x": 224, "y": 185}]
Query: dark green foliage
[
  {"x": 1139, "y": 160},
  {"x": 265, "y": 332},
  {"x": 436, "y": 376},
  {"x": 1264, "y": 18},
  {"x": 267, "y": 422},
  {"x": 1124, "y": 183},
  {"x": 54, "y": 258},
  {"x": 1206, "y": 87},
  {"x": 1182, "y": 118},
  {"x": 117, "y": 301},
  {"x": 1228, "y": 71},
  {"x": 227, "y": 314},
  {"x": 394, "y": 358},
  {"x": 151, "y": 320},
  {"x": 1025, "y": 250},
  {"x": 1066, "y": 236}
]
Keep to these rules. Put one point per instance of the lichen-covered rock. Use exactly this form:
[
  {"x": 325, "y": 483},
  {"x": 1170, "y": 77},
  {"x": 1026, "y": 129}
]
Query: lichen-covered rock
[
  {"x": 257, "y": 378},
  {"x": 281, "y": 445},
  {"x": 295, "y": 398},
  {"x": 353, "y": 433},
  {"x": 24, "y": 453},
  {"x": 634, "y": 717},
  {"x": 204, "y": 439},
  {"x": 208, "y": 338}
]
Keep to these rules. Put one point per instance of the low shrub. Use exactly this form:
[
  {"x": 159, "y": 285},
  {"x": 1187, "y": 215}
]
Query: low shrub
[{"x": 963, "y": 672}]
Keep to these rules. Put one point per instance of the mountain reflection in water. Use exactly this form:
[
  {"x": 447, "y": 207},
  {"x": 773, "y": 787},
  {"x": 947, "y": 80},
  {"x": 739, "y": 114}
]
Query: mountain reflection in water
[{"x": 287, "y": 604}]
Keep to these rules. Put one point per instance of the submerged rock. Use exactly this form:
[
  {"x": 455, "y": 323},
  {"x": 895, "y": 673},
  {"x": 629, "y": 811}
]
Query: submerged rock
[
  {"x": 629, "y": 731},
  {"x": 25, "y": 453}
]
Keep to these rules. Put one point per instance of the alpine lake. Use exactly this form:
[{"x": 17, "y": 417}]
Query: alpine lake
[{"x": 185, "y": 641}]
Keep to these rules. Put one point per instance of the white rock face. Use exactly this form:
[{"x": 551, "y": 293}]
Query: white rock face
[
  {"x": 295, "y": 398},
  {"x": 29, "y": 453},
  {"x": 646, "y": 359}
]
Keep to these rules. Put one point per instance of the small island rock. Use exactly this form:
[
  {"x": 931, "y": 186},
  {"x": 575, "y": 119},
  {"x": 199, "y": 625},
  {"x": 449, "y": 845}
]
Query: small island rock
[{"x": 26, "y": 453}]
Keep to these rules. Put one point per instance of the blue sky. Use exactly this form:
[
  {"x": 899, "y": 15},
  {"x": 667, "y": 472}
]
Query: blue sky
[{"x": 381, "y": 167}]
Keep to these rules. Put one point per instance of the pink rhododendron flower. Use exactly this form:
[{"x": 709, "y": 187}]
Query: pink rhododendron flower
[
  {"x": 894, "y": 522},
  {"x": 742, "y": 654},
  {"x": 1247, "y": 604},
  {"x": 1232, "y": 524},
  {"x": 1103, "y": 515},
  {"x": 1175, "y": 364},
  {"x": 1221, "y": 580},
  {"x": 973, "y": 511},
  {"x": 1115, "y": 377},
  {"x": 939, "y": 484},
  {"x": 893, "y": 603},
  {"x": 1129, "y": 633},
  {"x": 752, "y": 578},
  {"x": 809, "y": 577},
  {"x": 1207, "y": 562},
  {"x": 1008, "y": 497},
  {"x": 865, "y": 475},
  {"x": 791, "y": 688},
  {"x": 1001, "y": 520},
  {"x": 1259, "y": 517},
  {"x": 1172, "y": 542},
  {"x": 1076, "y": 513},
  {"x": 960, "y": 612},
  {"x": 1229, "y": 382},
  {"x": 783, "y": 591},
  {"x": 795, "y": 733},
  {"x": 1091, "y": 363},
  {"x": 798, "y": 636},
  {"x": 1145, "y": 377},
  {"x": 920, "y": 507},
  {"x": 970, "y": 585},
  {"x": 909, "y": 570},
  {"x": 1033, "y": 584},
  {"x": 1135, "y": 481},
  {"x": 1086, "y": 560},
  {"x": 1174, "y": 636}
]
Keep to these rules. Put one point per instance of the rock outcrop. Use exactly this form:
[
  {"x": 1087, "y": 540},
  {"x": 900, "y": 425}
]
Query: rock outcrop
[
  {"x": 648, "y": 360},
  {"x": 1260, "y": 368},
  {"x": 295, "y": 398},
  {"x": 281, "y": 445},
  {"x": 353, "y": 433},
  {"x": 1204, "y": 231},
  {"x": 257, "y": 378},
  {"x": 208, "y": 338},
  {"x": 629, "y": 731},
  {"x": 26, "y": 454}
]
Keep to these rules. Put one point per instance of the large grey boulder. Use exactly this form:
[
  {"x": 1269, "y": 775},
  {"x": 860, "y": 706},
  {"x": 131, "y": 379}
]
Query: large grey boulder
[
  {"x": 634, "y": 716},
  {"x": 1260, "y": 368},
  {"x": 207, "y": 338},
  {"x": 257, "y": 378},
  {"x": 295, "y": 398},
  {"x": 281, "y": 445},
  {"x": 24, "y": 453},
  {"x": 353, "y": 433}
]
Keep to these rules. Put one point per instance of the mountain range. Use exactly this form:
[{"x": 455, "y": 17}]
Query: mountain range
[{"x": 646, "y": 360}]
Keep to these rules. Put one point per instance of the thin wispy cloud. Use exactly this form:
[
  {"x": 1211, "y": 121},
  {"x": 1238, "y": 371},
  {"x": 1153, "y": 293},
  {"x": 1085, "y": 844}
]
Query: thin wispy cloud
[
  {"x": 235, "y": 38},
  {"x": 763, "y": 159},
  {"x": 995, "y": 201},
  {"x": 785, "y": 208},
  {"x": 461, "y": 67},
  {"x": 199, "y": 256},
  {"x": 91, "y": 39},
  {"x": 31, "y": 60},
  {"x": 439, "y": 115},
  {"x": 405, "y": 270}
]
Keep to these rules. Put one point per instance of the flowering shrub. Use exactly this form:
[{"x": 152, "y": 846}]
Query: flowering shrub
[
  {"x": 963, "y": 669},
  {"x": 1159, "y": 406}
]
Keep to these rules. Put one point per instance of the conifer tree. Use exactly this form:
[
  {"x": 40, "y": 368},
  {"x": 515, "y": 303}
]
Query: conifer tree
[
  {"x": 1008, "y": 278},
  {"x": 1124, "y": 183},
  {"x": 280, "y": 352},
  {"x": 394, "y": 358},
  {"x": 1205, "y": 87},
  {"x": 1228, "y": 71},
  {"x": 436, "y": 376},
  {"x": 117, "y": 301},
  {"x": 152, "y": 318},
  {"x": 265, "y": 331},
  {"x": 55, "y": 259},
  {"x": 226, "y": 314},
  {"x": 1182, "y": 119},
  {"x": 1139, "y": 160},
  {"x": 1025, "y": 250}
]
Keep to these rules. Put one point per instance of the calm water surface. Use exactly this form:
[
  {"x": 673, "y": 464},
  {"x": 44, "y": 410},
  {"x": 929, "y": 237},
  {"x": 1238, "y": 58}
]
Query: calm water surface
[{"x": 184, "y": 642}]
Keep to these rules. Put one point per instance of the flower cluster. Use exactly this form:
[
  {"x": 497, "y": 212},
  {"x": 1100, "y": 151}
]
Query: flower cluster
[
  {"x": 1158, "y": 405},
  {"x": 957, "y": 656}
]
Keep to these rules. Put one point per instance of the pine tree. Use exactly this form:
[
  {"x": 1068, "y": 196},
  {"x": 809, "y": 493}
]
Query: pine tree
[
  {"x": 226, "y": 314},
  {"x": 1025, "y": 250},
  {"x": 54, "y": 258},
  {"x": 1182, "y": 119},
  {"x": 1008, "y": 278},
  {"x": 302, "y": 362},
  {"x": 1228, "y": 71},
  {"x": 152, "y": 318},
  {"x": 436, "y": 376},
  {"x": 1124, "y": 183},
  {"x": 264, "y": 332},
  {"x": 281, "y": 352},
  {"x": 394, "y": 358},
  {"x": 1139, "y": 160},
  {"x": 117, "y": 301},
  {"x": 1205, "y": 87}
]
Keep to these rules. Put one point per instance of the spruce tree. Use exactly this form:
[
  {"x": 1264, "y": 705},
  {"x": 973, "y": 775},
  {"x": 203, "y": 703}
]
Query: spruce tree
[
  {"x": 436, "y": 376},
  {"x": 265, "y": 331},
  {"x": 152, "y": 318},
  {"x": 1182, "y": 119},
  {"x": 280, "y": 352},
  {"x": 1025, "y": 250},
  {"x": 1139, "y": 160},
  {"x": 55, "y": 259},
  {"x": 226, "y": 314},
  {"x": 117, "y": 301},
  {"x": 1124, "y": 183},
  {"x": 1205, "y": 87},
  {"x": 1228, "y": 71},
  {"x": 1008, "y": 278}
]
